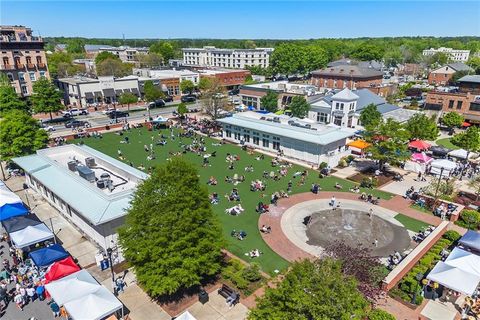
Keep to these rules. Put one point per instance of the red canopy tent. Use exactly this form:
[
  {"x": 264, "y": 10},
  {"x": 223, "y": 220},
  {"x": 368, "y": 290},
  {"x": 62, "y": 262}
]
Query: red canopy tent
[
  {"x": 419, "y": 145},
  {"x": 61, "y": 269}
]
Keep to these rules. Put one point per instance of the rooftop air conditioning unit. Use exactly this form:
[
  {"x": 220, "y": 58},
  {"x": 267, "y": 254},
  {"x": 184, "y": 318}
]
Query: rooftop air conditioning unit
[
  {"x": 86, "y": 173},
  {"x": 90, "y": 162},
  {"x": 72, "y": 165}
]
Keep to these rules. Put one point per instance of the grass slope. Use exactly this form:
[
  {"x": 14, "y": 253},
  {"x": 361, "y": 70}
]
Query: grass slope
[
  {"x": 445, "y": 142},
  {"x": 269, "y": 260},
  {"x": 410, "y": 223}
]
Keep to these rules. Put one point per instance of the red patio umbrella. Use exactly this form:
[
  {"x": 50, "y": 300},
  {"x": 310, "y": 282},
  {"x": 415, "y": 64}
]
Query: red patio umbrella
[
  {"x": 419, "y": 145},
  {"x": 61, "y": 269},
  {"x": 466, "y": 124}
]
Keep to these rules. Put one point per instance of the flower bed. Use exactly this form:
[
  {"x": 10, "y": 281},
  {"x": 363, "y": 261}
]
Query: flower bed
[
  {"x": 246, "y": 278},
  {"x": 410, "y": 287}
]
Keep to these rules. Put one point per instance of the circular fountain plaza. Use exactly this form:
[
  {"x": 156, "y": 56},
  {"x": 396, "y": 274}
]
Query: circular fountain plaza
[{"x": 313, "y": 224}]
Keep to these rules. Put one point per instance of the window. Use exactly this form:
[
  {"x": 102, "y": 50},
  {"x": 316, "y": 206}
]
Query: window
[
  {"x": 450, "y": 104},
  {"x": 237, "y": 136},
  {"x": 32, "y": 76},
  {"x": 256, "y": 140},
  {"x": 322, "y": 117},
  {"x": 10, "y": 77},
  {"x": 276, "y": 145},
  {"x": 228, "y": 133},
  {"x": 24, "y": 90},
  {"x": 337, "y": 105},
  {"x": 21, "y": 76},
  {"x": 42, "y": 74},
  {"x": 265, "y": 143},
  {"x": 341, "y": 106},
  {"x": 474, "y": 106},
  {"x": 246, "y": 137},
  {"x": 459, "y": 105}
]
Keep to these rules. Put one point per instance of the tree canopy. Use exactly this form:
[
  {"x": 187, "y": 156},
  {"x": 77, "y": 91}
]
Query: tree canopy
[
  {"x": 312, "y": 290},
  {"x": 290, "y": 58},
  {"x": 182, "y": 109},
  {"x": 474, "y": 63},
  {"x": 151, "y": 92},
  {"x": 127, "y": 98},
  {"x": 468, "y": 140},
  {"x": 367, "y": 52},
  {"x": 171, "y": 236},
  {"x": 422, "y": 127},
  {"x": 114, "y": 67},
  {"x": 163, "y": 48},
  {"x": 20, "y": 135},
  {"x": 453, "y": 119},
  {"x": 204, "y": 83},
  {"x": 299, "y": 107},
  {"x": 370, "y": 116},
  {"x": 104, "y": 55},
  {"x": 187, "y": 86},
  {"x": 46, "y": 97},
  {"x": 9, "y": 99},
  {"x": 269, "y": 101},
  {"x": 60, "y": 64},
  {"x": 150, "y": 60}
]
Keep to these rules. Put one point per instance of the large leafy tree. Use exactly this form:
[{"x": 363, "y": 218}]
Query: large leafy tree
[
  {"x": 171, "y": 236},
  {"x": 151, "y": 92},
  {"x": 314, "y": 57},
  {"x": 422, "y": 127},
  {"x": 389, "y": 141},
  {"x": 113, "y": 67},
  {"x": 60, "y": 64},
  {"x": 286, "y": 59},
  {"x": 299, "y": 107},
  {"x": 75, "y": 46},
  {"x": 127, "y": 98},
  {"x": 104, "y": 55},
  {"x": 46, "y": 97},
  {"x": 453, "y": 119},
  {"x": 474, "y": 63},
  {"x": 20, "y": 135},
  {"x": 370, "y": 116},
  {"x": 204, "y": 83},
  {"x": 9, "y": 99},
  {"x": 164, "y": 48},
  {"x": 312, "y": 290},
  {"x": 367, "y": 52},
  {"x": 468, "y": 140},
  {"x": 269, "y": 101},
  {"x": 187, "y": 86},
  {"x": 150, "y": 60}
]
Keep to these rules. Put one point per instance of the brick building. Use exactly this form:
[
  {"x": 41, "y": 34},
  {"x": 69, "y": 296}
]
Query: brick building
[
  {"x": 346, "y": 76},
  {"x": 441, "y": 76},
  {"x": 466, "y": 101},
  {"x": 227, "y": 77},
  {"x": 23, "y": 58}
]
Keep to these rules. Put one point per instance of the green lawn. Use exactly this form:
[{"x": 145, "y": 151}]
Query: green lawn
[
  {"x": 247, "y": 221},
  {"x": 410, "y": 223},
  {"x": 419, "y": 208},
  {"x": 445, "y": 142}
]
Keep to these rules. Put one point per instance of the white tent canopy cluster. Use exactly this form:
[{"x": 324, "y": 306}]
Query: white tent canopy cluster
[
  {"x": 459, "y": 272},
  {"x": 83, "y": 297}
]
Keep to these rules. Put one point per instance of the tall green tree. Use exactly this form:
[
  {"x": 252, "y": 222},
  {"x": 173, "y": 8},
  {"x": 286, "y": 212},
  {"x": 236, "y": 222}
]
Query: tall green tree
[
  {"x": 422, "y": 127},
  {"x": 468, "y": 140},
  {"x": 269, "y": 101},
  {"x": 187, "y": 86},
  {"x": 113, "y": 67},
  {"x": 60, "y": 64},
  {"x": 46, "y": 97},
  {"x": 204, "y": 83},
  {"x": 299, "y": 107},
  {"x": 474, "y": 63},
  {"x": 171, "y": 236},
  {"x": 20, "y": 135},
  {"x": 370, "y": 116},
  {"x": 75, "y": 46},
  {"x": 164, "y": 48},
  {"x": 287, "y": 59},
  {"x": 312, "y": 290},
  {"x": 127, "y": 98},
  {"x": 151, "y": 92},
  {"x": 104, "y": 55},
  {"x": 150, "y": 60},
  {"x": 9, "y": 99},
  {"x": 389, "y": 141},
  {"x": 438, "y": 59},
  {"x": 367, "y": 52},
  {"x": 453, "y": 119}
]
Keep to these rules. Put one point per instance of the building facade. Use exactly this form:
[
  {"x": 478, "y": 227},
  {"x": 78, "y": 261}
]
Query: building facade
[
  {"x": 453, "y": 54},
  {"x": 298, "y": 139},
  {"x": 442, "y": 76},
  {"x": 83, "y": 92},
  {"x": 23, "y": 58},
  {"x": 227, "y": 78},
  {"x": 346, "y": 76},
  {"x": 125, "y": 53},
  {"x": 226, "y": 58}
]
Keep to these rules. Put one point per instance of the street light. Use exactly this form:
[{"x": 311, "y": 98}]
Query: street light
[
  {"x": 438, "y": 187},
  {"x": 109, "y": 255}
]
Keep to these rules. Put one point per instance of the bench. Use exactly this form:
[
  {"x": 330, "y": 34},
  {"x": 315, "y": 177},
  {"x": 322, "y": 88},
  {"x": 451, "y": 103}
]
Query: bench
[{"x": 225, "y": 291}]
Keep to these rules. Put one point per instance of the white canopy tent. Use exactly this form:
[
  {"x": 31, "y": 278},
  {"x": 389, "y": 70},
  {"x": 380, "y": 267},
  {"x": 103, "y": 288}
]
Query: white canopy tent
[
  {"x": 464, "y": 260},
  {"x": 8, "y": 197},
  {"x": 72, "y": 287},
  {"x": 31, "y": 235},
  {"x": 414, "y": 166},
  {"x": 447, "y": 165},
  {"x": 186, "y": 316},
  {"x": 96, "y": 305},
  {"x": 461, "y": 154},
  {"x": 454, "y": 278}
]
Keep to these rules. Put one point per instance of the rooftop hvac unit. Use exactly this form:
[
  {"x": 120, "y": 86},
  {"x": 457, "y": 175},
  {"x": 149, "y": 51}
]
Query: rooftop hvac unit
[
  {"x": 90, "y": 162},
  {"x": 102, "y": 184},
  {"x": 72, "y": 165},
  {"x": 86, "y": 173},
  {"x": 105, "y": 176}
]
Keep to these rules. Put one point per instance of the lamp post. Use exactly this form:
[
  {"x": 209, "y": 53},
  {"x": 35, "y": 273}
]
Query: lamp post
[
  {"x": 438, "y": 187},
  {"x": 109, "y": 255}
]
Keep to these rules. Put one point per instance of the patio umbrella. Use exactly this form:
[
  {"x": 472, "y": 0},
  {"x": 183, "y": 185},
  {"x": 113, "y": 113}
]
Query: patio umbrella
[
  {"x": 466, "y": 124},
  {"x": 419, "y": 145},
  {"x": 359, "y": 144}
]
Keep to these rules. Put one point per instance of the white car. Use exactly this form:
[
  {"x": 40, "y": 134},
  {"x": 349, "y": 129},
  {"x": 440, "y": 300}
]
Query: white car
[
  {"x": 108, "y": 110},
  {"x": 75, "y": 112},
  {"x": 48, "y": 128}
]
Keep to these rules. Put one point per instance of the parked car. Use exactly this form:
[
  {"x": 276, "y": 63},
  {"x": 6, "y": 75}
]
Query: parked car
[
  {"x": 156, "y": 104},
  {"x": 233, "y": 92},
  {"x": 48, "y": 128},
  {"x": 76, "y": 124},
  {"x": 75, "y": 112},
  {"x": 188, "y": 99},
  {"x": 108, "y": 110},
  {"x": 168, "y": 99},
  {"x": 118, "y": 114}
]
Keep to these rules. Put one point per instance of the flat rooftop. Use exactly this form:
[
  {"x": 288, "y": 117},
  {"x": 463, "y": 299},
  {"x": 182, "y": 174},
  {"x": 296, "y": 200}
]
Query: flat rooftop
[
  {"x": 283, "y": 86},
  {"x": 96, "y": 203}
]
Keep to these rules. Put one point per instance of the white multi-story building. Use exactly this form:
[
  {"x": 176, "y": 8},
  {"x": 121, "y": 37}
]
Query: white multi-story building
[
  {"x": 455, "y": 55},
  {"x": 125, "y": 53},
  {"x": 209, "y": 56}
]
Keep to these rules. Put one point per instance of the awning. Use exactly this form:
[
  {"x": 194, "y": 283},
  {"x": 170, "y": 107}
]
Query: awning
[
  {"x": 419, "y": 145},
  {"x": 60, "y": 269},
  {"x": 21, "y": 222},
  {"x": 127, "y": 90},
  {"x": 97, "y": 94},
  {"x": 89, "y": 95},
  {"x": 464, "y": 260},
  {"x": 72, "y": 287},
  {"x": 135, "y": 91},
  {"x": 359, "y": 144},
  {"x": 8, "y": 197},
  {"x": 460, "y": 153},
  {"x": 8, "y": 211},
  {"x": 96, "y": 305},
  {"x": 31, "y": 235},
  {"x": 118, "y": 92},
  {"x": 471, "y": 240},
  {"x": 48, "y": 255},
  {"x": 109, "y": 92},
  {"x": 454, "y": 278}
]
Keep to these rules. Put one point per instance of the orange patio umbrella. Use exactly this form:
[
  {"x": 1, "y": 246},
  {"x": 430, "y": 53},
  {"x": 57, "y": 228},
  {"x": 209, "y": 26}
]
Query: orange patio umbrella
[{"x": 359, "y": 144}]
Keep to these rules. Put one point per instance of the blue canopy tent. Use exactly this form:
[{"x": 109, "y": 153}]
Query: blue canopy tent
[
  {"x": 46, "y": 256},
  {"x": 10, "y": 210},
  {"x": 471, "y": 240}
]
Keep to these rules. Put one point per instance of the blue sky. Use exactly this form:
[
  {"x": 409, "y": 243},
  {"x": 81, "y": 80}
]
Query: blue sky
[{"x": 245, "y": 20}]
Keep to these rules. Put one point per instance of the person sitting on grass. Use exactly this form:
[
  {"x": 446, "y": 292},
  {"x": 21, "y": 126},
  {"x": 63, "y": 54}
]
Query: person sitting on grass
[
  {"x": 235, "y": 210},
  {"x": 338, "y": 186},
  {"x": 254, "y": 253},
  {"x": 261, "y": 207},
  {"x": 249, "y": 168},
  {"x": 355, "y": 189},
  {"x": 214, "y": 198}
]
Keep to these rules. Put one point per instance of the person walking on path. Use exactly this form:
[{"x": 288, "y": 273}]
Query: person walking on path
[{"x": 55, "y": 309}]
